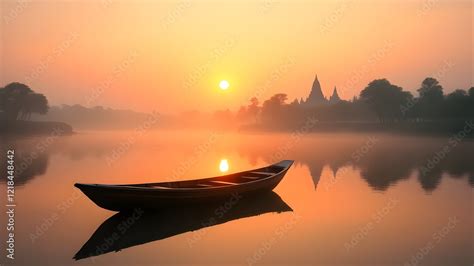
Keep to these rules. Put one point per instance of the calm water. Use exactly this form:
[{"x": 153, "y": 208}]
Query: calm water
[{"x": 349, "y": 199}]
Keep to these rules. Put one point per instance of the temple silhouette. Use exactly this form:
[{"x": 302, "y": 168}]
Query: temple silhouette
[{"x": 317, "y": 98}]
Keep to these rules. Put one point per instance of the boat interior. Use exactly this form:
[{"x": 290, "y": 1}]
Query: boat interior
[{"x": 220, "y": 181}]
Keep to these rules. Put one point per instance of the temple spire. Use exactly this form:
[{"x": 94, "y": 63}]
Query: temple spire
[
  {"x": 335, "y": 96},
  {"x": 316, "y": 96}
]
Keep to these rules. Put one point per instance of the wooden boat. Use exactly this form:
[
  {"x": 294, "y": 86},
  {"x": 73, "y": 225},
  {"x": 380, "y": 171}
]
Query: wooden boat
[{"x": 179, "y": 193}]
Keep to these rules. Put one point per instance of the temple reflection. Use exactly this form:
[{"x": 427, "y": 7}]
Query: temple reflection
[{"x": 391, "y": 160}]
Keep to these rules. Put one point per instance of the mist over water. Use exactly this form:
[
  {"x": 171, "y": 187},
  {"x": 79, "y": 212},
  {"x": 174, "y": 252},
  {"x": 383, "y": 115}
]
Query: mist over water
[{"x": 370, "y": 198}]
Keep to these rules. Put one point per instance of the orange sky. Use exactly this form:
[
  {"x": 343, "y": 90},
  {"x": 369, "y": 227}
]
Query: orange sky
[{"x": 169, "y": 56}]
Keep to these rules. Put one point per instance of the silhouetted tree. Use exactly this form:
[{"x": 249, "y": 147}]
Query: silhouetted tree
[
  {"x": 274, "y": 107},
  {"x": 34, "y": 103},
  {"x": 385, "y": 99},
  {"x": 223, "y": 116},
  {"x": 471, "y": 102},
  {"x": 253, "y": 109},
  {"x": 457, "y": 104},
  {"x": 19, "y": 100},
  {"x": 430, "y": 99},
  {"x": 12, "y": 98},
  {"x": 250, "y": 112},
  {"x": 242, "y": 113},
  {"x": 295, "y": 103}
]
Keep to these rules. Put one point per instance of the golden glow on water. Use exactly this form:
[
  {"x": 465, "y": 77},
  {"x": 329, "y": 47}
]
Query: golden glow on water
[
  {"x": 319, "y": 188},
  {"x": 224, "y": 166}
]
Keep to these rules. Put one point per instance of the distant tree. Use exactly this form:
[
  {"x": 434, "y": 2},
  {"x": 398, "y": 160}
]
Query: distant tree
[
  {"x": 223, "y": 116},
  {"x": 276, "y": 100},
  {"x": 295, "y": 102},
  {"x": 249, "y": 112},
  {"x": 12, "y": 98},
  {"x": 253, "y": 106},
  {"x": 457, "y": 104},
  {"x": 17, "y": 100},
  {"x": 274, "y": 107},
  {"x": 471, "y": 102},
  {"x": 242, "y": 113},
  {"x": 430, "y": 88},
  {"x": 430, "y": 99},
  {"x": 385, "y": 99},
  {"x": 253, "y": 109},
  {"x": 34, "y": 103}
]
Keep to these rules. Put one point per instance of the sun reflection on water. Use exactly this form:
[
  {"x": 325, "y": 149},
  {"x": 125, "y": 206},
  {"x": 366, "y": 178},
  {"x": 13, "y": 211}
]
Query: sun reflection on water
[{"x": 224, "y": 166}]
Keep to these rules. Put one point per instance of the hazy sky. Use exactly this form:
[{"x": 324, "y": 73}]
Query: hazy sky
[{"x": 170, "y": 55}]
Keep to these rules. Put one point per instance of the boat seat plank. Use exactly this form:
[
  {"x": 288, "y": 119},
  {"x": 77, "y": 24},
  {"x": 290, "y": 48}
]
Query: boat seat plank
[
  {"x": 251, "y": 177},
  {"x": 223, "y": 182},
  {"x": 161, "y": 187},
  {"x": 204, "y": 185},
  {"x": 262, "y": 173}
]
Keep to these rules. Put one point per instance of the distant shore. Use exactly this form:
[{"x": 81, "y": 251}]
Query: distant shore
[{"x": 28, "y": 128}]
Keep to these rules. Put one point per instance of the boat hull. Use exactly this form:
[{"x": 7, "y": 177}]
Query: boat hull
[{"x": 127, "y": 197}]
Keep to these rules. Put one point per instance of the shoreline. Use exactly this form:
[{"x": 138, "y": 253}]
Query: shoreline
[
  {"x": 428, "y": 128},
  {"x": 35, "y": 128}
]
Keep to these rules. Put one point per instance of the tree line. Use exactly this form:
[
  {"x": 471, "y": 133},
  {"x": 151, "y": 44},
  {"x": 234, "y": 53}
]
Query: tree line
[{"x": 379, "y": 101}]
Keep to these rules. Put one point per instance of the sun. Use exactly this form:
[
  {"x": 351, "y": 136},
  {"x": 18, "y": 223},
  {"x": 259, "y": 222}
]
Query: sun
[{"x": 224, "y": 84}]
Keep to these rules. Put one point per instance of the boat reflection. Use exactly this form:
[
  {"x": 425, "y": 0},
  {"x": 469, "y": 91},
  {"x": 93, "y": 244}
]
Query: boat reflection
[{"x": 124, "y": 230}]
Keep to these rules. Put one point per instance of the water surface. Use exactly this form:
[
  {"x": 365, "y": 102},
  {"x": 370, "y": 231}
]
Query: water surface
[{"x": 349, "y": 199}]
